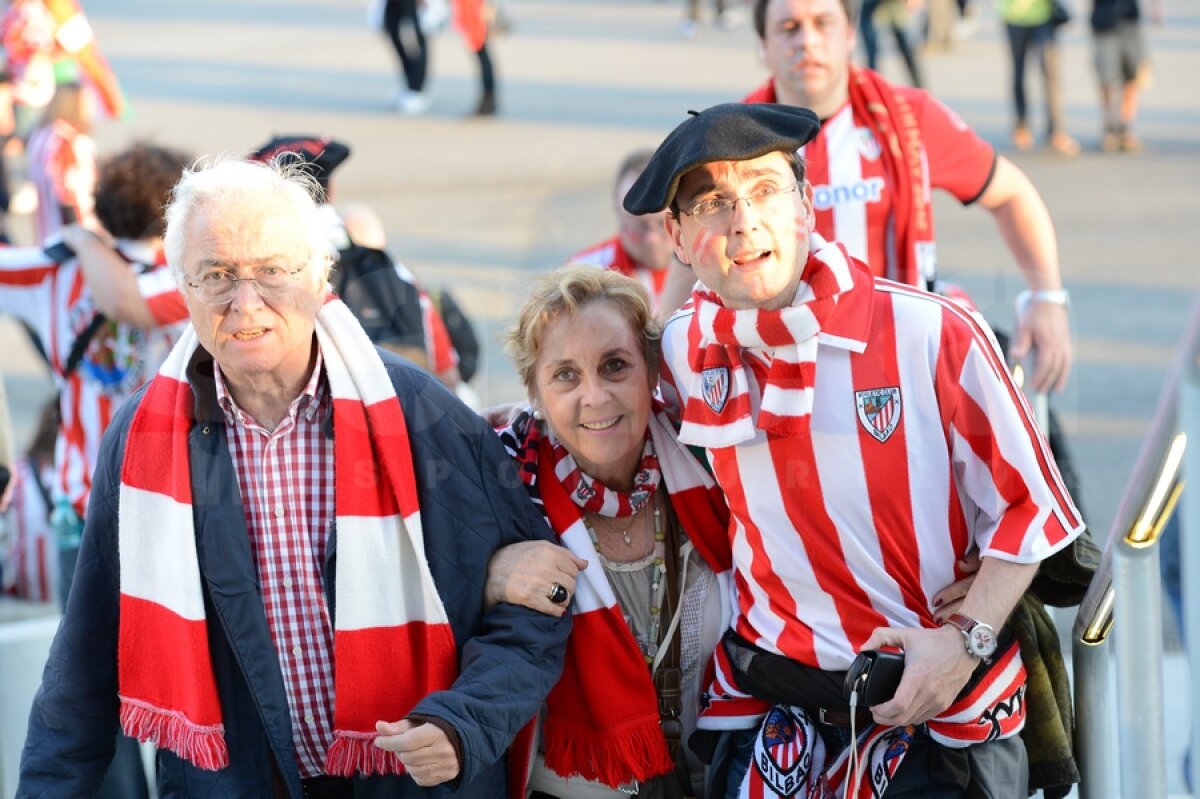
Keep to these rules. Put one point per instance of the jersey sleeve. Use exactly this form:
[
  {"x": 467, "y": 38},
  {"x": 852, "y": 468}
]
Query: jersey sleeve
[
  {"x": 162, "y": 296},
  {"x": 1016, "y": 504},
  {"x": 26, "y": 286},
  {"x": 960, "y": 162}
]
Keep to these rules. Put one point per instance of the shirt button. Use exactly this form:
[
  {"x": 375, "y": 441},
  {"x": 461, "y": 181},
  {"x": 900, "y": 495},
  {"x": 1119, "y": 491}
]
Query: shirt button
[
  {"x": 308, "y": 718},
  {"x": 278, "y": 511},
  {"x": 296, "y": 651},
  {"x": 287, "y": 582}
]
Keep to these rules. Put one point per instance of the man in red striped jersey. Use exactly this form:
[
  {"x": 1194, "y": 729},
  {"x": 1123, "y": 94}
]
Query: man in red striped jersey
[
  {"x": 641, "y": 248},
  {"x": 880, "y": 152},
  {"x": 868, "y": 438}
]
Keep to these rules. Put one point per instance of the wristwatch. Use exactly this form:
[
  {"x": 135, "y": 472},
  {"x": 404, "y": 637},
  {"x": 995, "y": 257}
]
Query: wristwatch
[{"x": 980, "y": 637}]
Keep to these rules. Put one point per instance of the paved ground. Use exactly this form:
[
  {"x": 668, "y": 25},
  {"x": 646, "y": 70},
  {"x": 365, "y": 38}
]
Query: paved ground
[{"x": 484, "y": 205}]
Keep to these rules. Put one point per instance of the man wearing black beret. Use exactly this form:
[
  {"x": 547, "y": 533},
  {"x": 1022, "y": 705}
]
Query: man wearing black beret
[{"x": 868, "y": 439}]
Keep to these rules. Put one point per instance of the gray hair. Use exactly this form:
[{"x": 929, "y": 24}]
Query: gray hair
[{"x": 219, "y": 183}]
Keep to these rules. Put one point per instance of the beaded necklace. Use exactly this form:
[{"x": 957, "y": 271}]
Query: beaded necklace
[{"x": 657, "y": 585}]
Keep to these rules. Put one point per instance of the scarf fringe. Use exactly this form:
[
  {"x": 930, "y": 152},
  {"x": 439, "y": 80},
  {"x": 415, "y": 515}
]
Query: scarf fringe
[
  {"x": 203, "y": 746},
  {"x": 356, "y": 753},
  {"x": 613, "y": 757}
]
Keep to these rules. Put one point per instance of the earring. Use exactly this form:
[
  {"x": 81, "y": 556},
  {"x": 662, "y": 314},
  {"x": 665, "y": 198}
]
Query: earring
[{"x": 537, "y": 414}]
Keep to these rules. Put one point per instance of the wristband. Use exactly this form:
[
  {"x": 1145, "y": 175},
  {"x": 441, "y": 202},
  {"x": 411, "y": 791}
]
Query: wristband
[{"x": 1051, "y": 296}]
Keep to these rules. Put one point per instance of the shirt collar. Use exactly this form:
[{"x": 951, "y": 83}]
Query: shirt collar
[{"x": 309, "y": 401}]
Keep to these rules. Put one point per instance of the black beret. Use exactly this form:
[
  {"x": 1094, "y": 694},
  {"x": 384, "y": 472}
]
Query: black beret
[
  {"x": 726, "y": 132},
  {"x": 319, "y": 154}
]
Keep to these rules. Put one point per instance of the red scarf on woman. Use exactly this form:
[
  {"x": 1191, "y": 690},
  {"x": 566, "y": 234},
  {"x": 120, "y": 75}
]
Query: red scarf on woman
[
  {"x": 602, "y": 719},
  {"x": 392, "y": 640}
]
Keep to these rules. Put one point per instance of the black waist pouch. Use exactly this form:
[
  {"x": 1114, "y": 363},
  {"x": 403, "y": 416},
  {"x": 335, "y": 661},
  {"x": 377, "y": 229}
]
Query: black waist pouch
[{"x": 780, "y": 680}]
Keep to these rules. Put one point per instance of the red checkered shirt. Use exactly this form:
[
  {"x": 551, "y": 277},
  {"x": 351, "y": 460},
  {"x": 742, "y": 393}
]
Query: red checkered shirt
[{"x": 286, "y": 481}]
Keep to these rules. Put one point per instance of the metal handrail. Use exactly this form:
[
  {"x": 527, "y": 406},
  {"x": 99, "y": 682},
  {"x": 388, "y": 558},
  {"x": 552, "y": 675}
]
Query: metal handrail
[
  {"x": 1126, "y": 592},
  {"x": 1150, "y": 495}
]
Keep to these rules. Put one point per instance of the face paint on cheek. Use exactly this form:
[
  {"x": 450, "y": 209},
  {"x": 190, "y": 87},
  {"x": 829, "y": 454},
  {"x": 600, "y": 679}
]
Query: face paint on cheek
[{"x": 703, "y": 240}]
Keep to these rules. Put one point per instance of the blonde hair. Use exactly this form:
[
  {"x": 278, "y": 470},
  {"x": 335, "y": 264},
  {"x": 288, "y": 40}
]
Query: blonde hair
[{"x": 564, "y": 292}]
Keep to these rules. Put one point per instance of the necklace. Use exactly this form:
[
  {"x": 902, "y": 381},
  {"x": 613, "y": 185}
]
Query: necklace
[{"x": 649, "y": 646}]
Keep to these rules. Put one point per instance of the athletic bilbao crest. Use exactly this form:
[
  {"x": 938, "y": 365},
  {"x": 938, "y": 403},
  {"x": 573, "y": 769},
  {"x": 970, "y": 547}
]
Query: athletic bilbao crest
[
  {"x": 783, "y": 752},
  {"x": 714, "y": 387},
  {"x": 879, "y": 410},
  {"x": 868, "y": 145}
]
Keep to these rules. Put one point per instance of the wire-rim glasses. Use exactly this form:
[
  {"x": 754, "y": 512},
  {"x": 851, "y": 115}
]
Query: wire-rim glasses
[
  {"x": 217, "y": 286},
  {"x": 715, "y": 213}
]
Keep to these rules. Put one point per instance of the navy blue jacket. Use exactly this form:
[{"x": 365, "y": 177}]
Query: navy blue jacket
[{"x": 471, "y": 503}]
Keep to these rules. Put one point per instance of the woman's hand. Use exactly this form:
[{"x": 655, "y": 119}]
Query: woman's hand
[
  {"x": 524, "y": 574},
  {"x": 947, "y": 601}
]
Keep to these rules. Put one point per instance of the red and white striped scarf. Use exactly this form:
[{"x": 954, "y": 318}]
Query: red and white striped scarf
[
  {"x": 718, "y": 412},
  {"x": 392, "y": 640},
  {"x": 602, "y": 719},
  {"x": 790, "y": 759},
  {"x": 592, "y": 496}
]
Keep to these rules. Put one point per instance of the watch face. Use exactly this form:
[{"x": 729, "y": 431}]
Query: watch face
[{"x": 982, "y": 641}]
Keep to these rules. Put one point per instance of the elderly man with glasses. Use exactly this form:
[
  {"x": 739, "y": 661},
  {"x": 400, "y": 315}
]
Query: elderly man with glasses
[
  {"x": 281, "y": 578},
  {"x": 868, "y": 439}
]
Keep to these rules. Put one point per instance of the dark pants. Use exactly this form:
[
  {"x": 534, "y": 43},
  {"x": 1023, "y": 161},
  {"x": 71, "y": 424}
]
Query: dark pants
[
  {"x": 1043, "y": 40},
  {"x": 870, "y": 37},
  {"x": 487, "y": 74},
  {"x": 400, "y": 21}
]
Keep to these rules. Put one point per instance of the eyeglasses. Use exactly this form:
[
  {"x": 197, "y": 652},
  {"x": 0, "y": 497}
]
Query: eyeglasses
[
  {"x": 217, "y": 286},
  {"x": 716, "y": 213}
]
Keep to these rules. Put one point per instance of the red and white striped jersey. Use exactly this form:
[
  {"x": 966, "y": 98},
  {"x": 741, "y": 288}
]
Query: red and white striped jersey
[
  {"x": 62, "y": 168},
  {"x": 921, "y": 449},
  {"x": 852, "y": 200},
  {"x": 55, "y": 302},
  {"x": 609, "y": 254}
]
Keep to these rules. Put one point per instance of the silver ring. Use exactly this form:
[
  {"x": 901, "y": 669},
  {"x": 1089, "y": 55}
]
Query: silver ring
[{"x": 557, "y": 594}]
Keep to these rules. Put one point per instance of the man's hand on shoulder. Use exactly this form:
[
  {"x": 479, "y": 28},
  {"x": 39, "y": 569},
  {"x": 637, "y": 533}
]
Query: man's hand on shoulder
[
  {"x": 424, "y": 749},
  {"x": 936, "y": 667}
]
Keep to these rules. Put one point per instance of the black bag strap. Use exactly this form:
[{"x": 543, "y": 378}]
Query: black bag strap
[
  {"x": 668, "y": 679},
  {"x": 81, "y": 343},
  {"x": 58, "y": 250}
]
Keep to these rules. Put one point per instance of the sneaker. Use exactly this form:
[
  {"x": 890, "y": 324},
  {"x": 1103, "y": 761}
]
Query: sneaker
[
  {"x": 1022, "y": 139},
  {"x": 1064, "y": 145},
  {"x": 1110, "y": 142},
  {"x": 1130, "y": 143},
  {"x": 487, "y": 106},
  {"x": 687, "y": 29},
  {"x": 413, "y": 103}
]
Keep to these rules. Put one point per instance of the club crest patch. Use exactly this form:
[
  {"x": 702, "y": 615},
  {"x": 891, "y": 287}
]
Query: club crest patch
[
  {"x": 868, "y": 145},
  {"x": 714, "y": 387},
  {"x": 783, "y": 753},
  {"x": 879, "y": 410}
]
